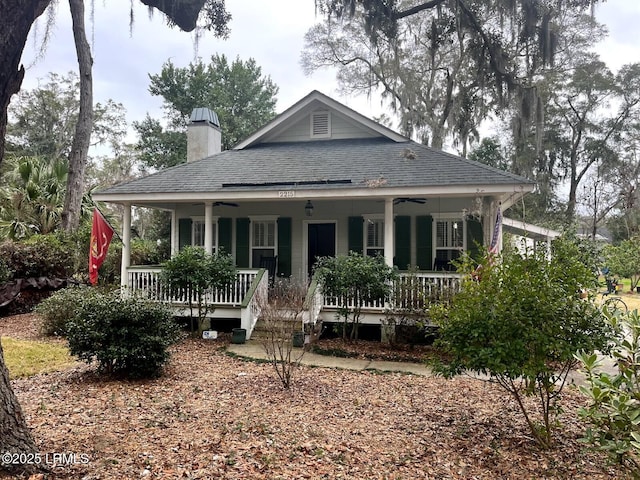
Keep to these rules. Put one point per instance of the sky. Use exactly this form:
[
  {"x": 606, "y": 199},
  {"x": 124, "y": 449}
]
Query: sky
[{"x": 270, "y": 31}]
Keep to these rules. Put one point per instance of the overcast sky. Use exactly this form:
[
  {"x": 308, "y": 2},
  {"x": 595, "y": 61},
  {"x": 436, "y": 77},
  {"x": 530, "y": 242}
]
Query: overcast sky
[{"x": 270, "y": 31}]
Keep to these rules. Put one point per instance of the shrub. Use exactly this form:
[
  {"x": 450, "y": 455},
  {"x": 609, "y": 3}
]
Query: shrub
[
  {"x": 354, "y": 280},
  {"x": 614, "y": 399},
  {"x": 520, "y": 321},
  {"x": 126, "y": 336},
  {"x": 59, "y": 308},
  {"x": 624, "y": 260},
  {"x": 192, "y": 272},
  {"x": 281, "y": 316},
  {"x": 39, "y": 256}
]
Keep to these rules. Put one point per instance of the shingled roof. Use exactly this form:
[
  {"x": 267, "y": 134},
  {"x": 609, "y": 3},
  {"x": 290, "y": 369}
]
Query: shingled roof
[{"x": 321, "y": 164}]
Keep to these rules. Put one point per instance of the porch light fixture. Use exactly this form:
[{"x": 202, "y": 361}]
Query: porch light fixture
[{"x": 308, "y": 208}]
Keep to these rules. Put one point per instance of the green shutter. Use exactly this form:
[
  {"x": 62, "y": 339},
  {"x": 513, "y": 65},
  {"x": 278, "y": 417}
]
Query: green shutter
[
  {"x": 184, "y": 232},
  {"x": 242, "y": 242},
  {"x": 475, "y": 237},
  {"x": 424, "y": 242},
  {"x": 402, "y": 258},
  {"x": 284, "y": 246},
  {"x": 356, "y": 234},
  {"x": 225, "y": 234}
]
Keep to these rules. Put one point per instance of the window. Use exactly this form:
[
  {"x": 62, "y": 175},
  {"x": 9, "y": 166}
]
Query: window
[
  {"x": 374, "y": 237},
  {"x": 320, "y": 125},
  {"x": 263, "y": 240},
  {"x": 449, "y": 242},
  {"x": 197, "y": 234}
]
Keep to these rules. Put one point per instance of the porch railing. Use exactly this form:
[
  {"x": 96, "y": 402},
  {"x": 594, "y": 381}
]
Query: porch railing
[
  {"x": 146, "y": 282},
  {"x": 409, "y": 291},
  {"x": 254, "y": 298},
  {"x": 412, "y": 290}
]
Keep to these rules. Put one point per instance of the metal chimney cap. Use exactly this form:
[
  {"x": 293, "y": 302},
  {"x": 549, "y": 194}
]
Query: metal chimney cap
[{"x": 202, "y": 114}]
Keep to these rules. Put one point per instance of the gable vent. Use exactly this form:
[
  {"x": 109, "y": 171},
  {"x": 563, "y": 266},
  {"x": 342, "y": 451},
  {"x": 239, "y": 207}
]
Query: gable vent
[{"x": 320, "y": 125}]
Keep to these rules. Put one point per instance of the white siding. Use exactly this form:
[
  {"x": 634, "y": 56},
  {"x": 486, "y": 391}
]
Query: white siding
[
  {"x": 300, "y": 131},
  {"x": 324, "y": 211}
]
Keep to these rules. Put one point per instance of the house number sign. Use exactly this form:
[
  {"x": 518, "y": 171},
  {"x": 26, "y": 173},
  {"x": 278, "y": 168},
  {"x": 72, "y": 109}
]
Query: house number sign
[{"x": 286, "y": 194}]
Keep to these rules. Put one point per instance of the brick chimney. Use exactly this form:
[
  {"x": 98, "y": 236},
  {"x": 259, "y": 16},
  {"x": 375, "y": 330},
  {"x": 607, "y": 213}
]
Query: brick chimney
[{"x": 204, "y": 137}]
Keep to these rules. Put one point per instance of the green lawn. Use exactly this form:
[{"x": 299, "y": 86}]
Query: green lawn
[{"x": 25, "y": 358}]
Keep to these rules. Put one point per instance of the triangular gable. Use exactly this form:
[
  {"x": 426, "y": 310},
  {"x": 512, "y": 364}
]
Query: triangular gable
[{"x": 297, "y": 123}]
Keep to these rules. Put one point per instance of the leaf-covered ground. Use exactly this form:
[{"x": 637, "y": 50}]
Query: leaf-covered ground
[{"x": 216, "y": 417}]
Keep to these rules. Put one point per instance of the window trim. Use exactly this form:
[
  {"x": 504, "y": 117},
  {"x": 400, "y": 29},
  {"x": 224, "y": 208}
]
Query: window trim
[
  {"x": 372, "y": 218},
  {"x": 448, "y": 217},
  {"x": 201, "y": 220},
  {"x": 253, "y": 220}
]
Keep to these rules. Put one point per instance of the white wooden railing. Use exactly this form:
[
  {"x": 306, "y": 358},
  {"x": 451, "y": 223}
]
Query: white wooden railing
[
  {"x": 254, "y": 298},
  {"x": 313, "y": 303},
  {"x": 145, "y": 282},
  {"x": 409, "y": 291}
]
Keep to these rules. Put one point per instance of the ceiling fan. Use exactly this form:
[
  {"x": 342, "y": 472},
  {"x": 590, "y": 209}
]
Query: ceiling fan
[
  {"x": 398, "y": 200},
  {"x": 225, "y": 204}
]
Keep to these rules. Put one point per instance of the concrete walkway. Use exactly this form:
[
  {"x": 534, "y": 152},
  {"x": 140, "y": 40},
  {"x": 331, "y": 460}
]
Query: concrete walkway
[{"x": 255, "y": 350}]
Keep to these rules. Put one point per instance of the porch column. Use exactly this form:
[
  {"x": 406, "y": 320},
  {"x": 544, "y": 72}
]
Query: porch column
[
  {"x": 126, "y": 246},
  {"x": 389, "y": 247},
  {"x": 208, "y": 227},
  {"x": 174, "y": 232}
]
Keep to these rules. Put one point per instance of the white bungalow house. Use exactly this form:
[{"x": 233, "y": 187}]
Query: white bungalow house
[{"x": 319, "y": 179}]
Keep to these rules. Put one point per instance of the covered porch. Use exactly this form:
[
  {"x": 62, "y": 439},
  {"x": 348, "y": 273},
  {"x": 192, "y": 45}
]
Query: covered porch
[
  {"x": 286, "y": 231},
  {"x": 240, "y": 301}
]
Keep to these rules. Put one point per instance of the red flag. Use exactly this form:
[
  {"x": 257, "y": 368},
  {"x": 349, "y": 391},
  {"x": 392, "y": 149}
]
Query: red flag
[{"x": 101, "y": 233}]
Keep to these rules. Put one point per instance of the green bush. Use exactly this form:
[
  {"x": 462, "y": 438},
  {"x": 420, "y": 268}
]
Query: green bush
[
  {"x": 39, "y": 256},
  {"x": 614, "y": 398},
  {"x": 126, "y": 336},
  {"x": 191, "y": 273},
  {"x": 143, "y": 252},
  {"x": 354, "y": 280},
  {"x": 520, "y": 319},
  {"x": 59, "y": 308}
]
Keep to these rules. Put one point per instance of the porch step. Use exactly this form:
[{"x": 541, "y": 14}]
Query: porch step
[{"x": 280, "y": 328}]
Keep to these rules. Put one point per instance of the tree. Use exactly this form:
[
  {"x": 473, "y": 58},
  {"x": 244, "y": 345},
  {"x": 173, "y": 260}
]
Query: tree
[
  {"x": 241, "y": 96},
  {"x": 32, "y": 197},
  {"x": 16, "y": 19},
  {"x": 84, "y": 123},
  {"x": 520, "y": 321},
  {"x": 511, "y": 42},
  {"x": 44, "y": 120},
  {"x": 192, "y": 273},
  {"x": 15, "y": 436},
  {"x": 354, "y": 280},
  {"x": 589, "y": 110},
  {"x": 423, "y": 72},
  {"x": 491, "y": 153},
  {"x": 624, "y": 260}
]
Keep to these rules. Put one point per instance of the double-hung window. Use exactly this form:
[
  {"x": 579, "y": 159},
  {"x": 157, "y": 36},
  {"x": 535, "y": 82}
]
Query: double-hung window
[
  {"x": 449, "y": 240},
  {"x": 197, "y": 233},
  {"x": 374, "y": 236},
  {"x": 263, "y": 239}
]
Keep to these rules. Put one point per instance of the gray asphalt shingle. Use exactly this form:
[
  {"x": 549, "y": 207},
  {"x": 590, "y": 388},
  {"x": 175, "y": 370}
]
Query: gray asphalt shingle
[{"x": 271, "y": 166}]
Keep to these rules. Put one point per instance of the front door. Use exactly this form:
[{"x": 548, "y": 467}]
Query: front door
[{"x": 322, "y": 243}]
